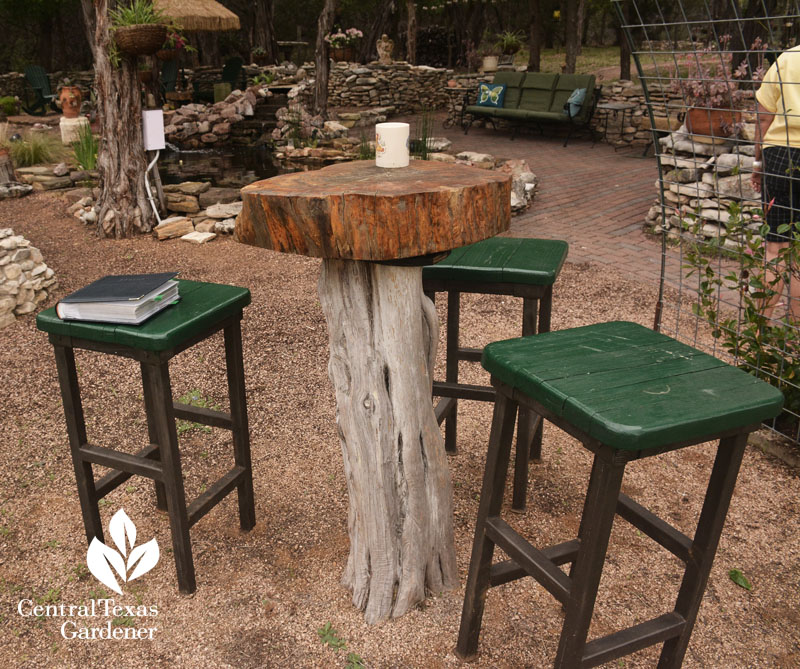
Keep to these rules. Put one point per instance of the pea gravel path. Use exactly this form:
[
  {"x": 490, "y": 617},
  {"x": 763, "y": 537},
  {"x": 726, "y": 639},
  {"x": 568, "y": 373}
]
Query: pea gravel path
[{"x": 262, "y": 596}]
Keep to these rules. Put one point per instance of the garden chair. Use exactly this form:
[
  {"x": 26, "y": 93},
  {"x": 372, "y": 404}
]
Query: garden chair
[{"x": 44, "y": 95}]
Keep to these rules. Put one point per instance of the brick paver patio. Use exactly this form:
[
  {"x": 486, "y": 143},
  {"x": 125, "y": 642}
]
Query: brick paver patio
[{"x": 591, "y": 196}]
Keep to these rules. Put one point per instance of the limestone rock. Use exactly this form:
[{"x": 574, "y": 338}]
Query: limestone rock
[
  {"x": 218, "y": 195},
  {"x": 473, "y": 157},
  {"x": 176, "y": 226},
  {"x": 198, "y": 237},
  {"x": 223, "y": 211},
  {"x": 182, "y": 203}
]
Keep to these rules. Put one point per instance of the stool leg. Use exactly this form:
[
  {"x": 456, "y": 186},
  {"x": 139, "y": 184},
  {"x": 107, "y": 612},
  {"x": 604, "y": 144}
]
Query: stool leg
[
  {"x": 527, "y": 418},
  {"x": 152, "y": 433},
  {"x": 156, "y": 378},
  {"x": 545, "y": 312},
  {"x": 241, "y": 430},
  {"x": 451, "y": 367},
  {"x": 704, "y": 546},
  {"x": 76, "y": 431},
  {"x": 494, "y": 479},
  {"x": 595, "y": 529}
]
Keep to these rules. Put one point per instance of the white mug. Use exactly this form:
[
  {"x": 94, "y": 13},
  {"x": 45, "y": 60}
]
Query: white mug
[{"x": 391, "y": 144}]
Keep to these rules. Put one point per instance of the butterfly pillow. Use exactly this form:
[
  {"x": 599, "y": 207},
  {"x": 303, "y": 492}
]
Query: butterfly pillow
[{"x": 491, "y": 95}]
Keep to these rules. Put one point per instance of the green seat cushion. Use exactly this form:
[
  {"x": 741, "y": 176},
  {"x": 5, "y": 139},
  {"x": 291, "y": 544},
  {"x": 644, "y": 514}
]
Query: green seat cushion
[
  {"x": 526, "y": 115},
  {"x": 537, "y": 91},
  {"x": 202, "y": 305},
  {"x": 502, "y": 260},
  {"x": 512, "y": 80},
  {"x": 630, "y": 387},
  {"x": 478, "y": 110}
]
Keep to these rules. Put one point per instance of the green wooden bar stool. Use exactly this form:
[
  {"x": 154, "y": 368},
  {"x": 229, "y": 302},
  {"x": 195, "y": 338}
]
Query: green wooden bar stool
[
  {"x": 204, "y": 309},
  {"x": 626, "y": 393},
  {"x": 525, "y": 268}
]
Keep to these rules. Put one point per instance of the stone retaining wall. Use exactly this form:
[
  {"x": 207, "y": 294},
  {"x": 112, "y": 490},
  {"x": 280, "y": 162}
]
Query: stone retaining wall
[
  {"x": 24, "y": 277},
  {"x": 701, "y": 182}
]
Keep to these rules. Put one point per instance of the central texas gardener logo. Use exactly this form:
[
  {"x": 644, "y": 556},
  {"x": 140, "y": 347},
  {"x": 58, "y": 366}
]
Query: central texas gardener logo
[{"x": 129, "y": 559}]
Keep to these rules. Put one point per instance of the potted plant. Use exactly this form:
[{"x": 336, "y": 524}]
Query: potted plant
[
  {"x": 69, "y": 98},
  {"x": 258, "y": 55},
  {"x": 174, "y": 43},
  {"x": 711, "y": 89},
  {"x": 509, "y": 42},
  {"x": 490, "y": 57},
  {"x": 343, "y": 43},
  {"x": 139, "y": 28}
]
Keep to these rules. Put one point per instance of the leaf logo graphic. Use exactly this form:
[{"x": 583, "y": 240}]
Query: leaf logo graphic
[{"x": 101, "y": 558}]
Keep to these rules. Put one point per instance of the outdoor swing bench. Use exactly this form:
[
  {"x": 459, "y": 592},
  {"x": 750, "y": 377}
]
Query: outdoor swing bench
[{"x": 536, "y": 98}]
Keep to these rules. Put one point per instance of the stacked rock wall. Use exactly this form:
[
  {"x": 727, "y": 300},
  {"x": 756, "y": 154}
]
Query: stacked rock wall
[
  {"x": 701, "y": 182},
  {"x": 24, "y": 277}
]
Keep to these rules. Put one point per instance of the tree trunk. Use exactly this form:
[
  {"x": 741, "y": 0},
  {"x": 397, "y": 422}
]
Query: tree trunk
[
  {"x": 535, "y": 36},
  {"x": 324, "y": 26},
  {"x": 624, "y": 44},
  {"x": 378, "y": 26},
  {"x": 383, "y": 333},
  {"x": 264, "y": 31},
  {"x": 6, "y": 167},
  {"x": 411, "y": 32},
  {"x": 122, "y": 207},
  {"x": 573, "y": 29}
]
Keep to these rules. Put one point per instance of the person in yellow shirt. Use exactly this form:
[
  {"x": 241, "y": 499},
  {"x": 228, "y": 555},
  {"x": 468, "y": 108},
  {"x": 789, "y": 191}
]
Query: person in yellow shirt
[{"x": 776, "y": 170}]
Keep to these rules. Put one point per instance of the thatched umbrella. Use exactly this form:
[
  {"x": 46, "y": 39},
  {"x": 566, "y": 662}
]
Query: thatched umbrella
[{"x": 199, "y": 15}]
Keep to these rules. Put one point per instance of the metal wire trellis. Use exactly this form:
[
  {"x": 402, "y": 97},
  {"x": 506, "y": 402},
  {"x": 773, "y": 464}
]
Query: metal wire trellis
[{"x": 722, "y": 81}]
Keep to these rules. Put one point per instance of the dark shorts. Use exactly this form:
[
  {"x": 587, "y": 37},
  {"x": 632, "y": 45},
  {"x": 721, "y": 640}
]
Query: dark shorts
[{"x": 781, "y": 181}]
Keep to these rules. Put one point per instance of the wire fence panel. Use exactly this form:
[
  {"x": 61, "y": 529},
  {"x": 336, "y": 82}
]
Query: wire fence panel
[{"x": 722, "y": 84}]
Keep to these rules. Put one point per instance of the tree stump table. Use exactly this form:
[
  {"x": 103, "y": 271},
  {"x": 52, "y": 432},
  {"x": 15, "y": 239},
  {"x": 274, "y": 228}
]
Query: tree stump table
[{"x": 374, "y": 228}]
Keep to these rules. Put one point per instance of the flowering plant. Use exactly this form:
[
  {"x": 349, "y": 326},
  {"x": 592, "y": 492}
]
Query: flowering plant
[
  {"x": 176, "y": 40},
  {"x": 339, "y": 39},
  {"x": 710, "y": 83}
]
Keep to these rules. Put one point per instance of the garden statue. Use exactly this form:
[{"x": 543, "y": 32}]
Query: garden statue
[{"x": 384, "y": 46}]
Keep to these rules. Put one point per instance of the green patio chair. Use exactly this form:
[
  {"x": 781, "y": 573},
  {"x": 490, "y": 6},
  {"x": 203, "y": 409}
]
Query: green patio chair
[{"x": 44, "y": 96}]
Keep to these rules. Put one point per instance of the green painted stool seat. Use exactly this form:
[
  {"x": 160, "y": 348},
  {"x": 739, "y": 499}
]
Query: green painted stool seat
[
  {"x": 203, "y": 310},
  {"x": 525, "y": 268},
  {"x": 201, "y": 305},
  {"x": 534, "y": 262},
  {"x": 626, "y": 393},
  {"x": 630, "y": 387}
]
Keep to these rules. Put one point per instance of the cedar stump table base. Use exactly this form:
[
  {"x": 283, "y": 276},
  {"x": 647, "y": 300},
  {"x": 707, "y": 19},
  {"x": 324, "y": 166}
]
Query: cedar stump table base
[
  {"x": 383, "y": 334},
  {"x": 380, "y": 366}
]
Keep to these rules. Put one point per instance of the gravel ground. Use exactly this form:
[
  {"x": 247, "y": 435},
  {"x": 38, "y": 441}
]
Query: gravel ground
[{"x": 262, "y": 596}]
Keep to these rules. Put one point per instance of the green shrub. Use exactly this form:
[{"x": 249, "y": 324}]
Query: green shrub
[
  {"x": 34, "y": 149},
  {"x": 9, "y": 105},
  {"x": 86, "y": 148}
]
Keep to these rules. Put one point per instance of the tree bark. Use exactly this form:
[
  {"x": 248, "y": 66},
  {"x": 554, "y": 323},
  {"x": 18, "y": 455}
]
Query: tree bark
[
  {"x": 378, "y": 26},
  {"x": 535, "y": 36},
  {"x": 573, "y": 29},
  {"x": 324, "y": 26},
  {"x": 411, "y": 32},
  {"x": 624, "y": 44},
  {"x": 383, "y": 333},
  {"x": 264, "y": 31},
  {"x": 122, "y": 207}
]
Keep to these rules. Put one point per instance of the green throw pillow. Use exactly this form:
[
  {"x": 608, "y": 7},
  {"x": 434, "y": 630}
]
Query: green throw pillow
[{"x": 491, "y": 95}]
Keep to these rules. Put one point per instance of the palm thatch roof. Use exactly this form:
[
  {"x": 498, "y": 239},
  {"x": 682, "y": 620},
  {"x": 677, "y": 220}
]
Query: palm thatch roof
[{"x": 196, "y": 15}]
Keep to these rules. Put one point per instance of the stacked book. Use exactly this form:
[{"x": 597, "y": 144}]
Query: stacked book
[{"x": 127, "y": 299}]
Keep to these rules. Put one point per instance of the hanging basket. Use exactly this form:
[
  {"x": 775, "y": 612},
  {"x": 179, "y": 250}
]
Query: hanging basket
[
  {"x": 140, "y": 40},
  {"x": 167, "y": 54}
]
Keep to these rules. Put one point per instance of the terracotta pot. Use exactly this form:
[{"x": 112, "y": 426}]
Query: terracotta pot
[
  {"x": 70, "y": 98},
  {"x": 343, "y": 53},
  {"x": 712, "y": 122},
  {"x": 167, "y": 54},
  {"x": 140, "y": 40}
]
